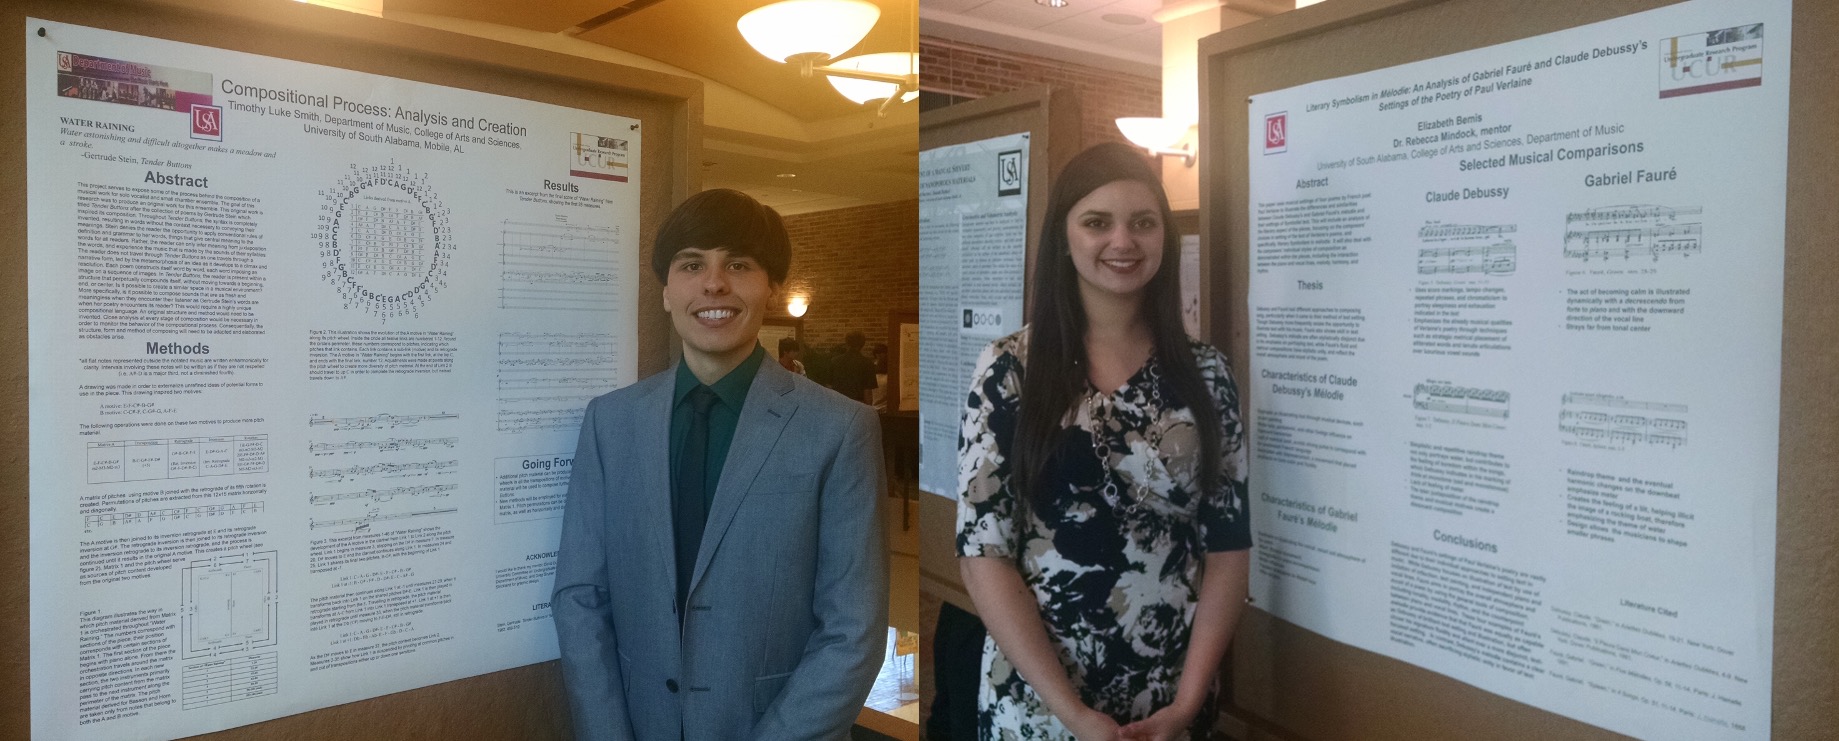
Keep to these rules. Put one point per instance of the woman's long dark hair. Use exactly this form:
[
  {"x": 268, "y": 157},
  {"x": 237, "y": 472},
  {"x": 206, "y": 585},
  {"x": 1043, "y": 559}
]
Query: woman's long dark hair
[{"x": 1054, "y": 377}]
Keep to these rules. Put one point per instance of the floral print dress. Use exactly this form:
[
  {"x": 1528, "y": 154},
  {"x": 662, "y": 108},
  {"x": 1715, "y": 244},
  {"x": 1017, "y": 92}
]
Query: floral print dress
[{"x": 1115, "y": 564}]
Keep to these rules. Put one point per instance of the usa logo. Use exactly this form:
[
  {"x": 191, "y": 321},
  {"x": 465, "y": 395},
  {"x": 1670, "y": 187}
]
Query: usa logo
[
  {"x": 207, "y": 122},
  {"x": 63, "y": 61},
  {"x": 1009, "y": 173},
  {"x": 1277, "y": 132}
]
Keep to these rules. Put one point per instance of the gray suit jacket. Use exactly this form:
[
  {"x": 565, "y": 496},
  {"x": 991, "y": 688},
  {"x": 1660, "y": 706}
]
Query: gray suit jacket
[{"x": 787, "y": 616}]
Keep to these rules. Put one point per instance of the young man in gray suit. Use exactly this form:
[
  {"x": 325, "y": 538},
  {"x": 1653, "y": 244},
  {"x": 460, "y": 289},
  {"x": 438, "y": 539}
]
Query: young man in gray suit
[{"x": 723, "y": 568}]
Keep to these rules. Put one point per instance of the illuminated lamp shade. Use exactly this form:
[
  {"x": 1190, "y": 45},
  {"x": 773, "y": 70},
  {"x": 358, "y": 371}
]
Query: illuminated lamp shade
[
  {"x": 788, "y": 29},
  {"x": 863, "y": 91},
  {"x": 797, "y": 306},
  {"x": 1154, "y": 134},
  {"x": 367, "y": 7}
]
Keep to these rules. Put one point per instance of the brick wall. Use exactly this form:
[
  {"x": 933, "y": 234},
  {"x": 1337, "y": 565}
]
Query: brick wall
[
  {"x": 975, "y": 71},
  {"x": 856, "y": 264}
]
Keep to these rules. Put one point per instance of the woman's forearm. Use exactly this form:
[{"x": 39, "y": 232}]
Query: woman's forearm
[
  {"x": 1013, "y": 617},
  {"x": 1222, "y": 598}
]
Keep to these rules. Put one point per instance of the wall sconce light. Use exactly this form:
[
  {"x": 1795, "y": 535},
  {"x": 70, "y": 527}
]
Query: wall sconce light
[
  {"x": 813, "y": 33},
  {"x": 797, "y": 306},
  {"x": 1159, "y": 135}
]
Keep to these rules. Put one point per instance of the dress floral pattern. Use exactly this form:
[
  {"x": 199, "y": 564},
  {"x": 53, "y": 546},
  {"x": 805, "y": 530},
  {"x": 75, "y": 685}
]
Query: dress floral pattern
[{"x": 1115, "y": 564}]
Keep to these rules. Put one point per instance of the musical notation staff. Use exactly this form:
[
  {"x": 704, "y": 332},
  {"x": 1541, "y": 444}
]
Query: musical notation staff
[
  {"x": 512, "y": 343},
  {"x": 544, "y": 380},
  {"x": 339, "y": 474},
  {"x": 539, "y": 383},
  {"x": 1604, "y": 214},
  {"x": 376, "y": 421},
  {"x": 566, "y": 418},
  {"x": 363, "y": 522},
  {"x": 384, "y": 495},
  {"x": 584, "y": 277},
  {"x": 167, "y": 514},
  {"x": 557, "y": 266},
  {"x": 1495, "y": 259},
  {"x": 1653, "y": 241},
  {"x": 1438, "y": 232},
  {"x": 1608, "y": 400},
  {"x": 1621, "y": 427},
  {"x": 383, "y": 446},
  {"x": 1631, "y": 231},
  {"x": 548, "y": 361},
  {"x": 1442, "y": 397}
]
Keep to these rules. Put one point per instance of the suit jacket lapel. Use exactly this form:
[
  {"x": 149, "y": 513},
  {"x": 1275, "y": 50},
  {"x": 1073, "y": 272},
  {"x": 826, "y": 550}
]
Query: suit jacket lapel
[
  {"x": 650, "y": 459},
  {"x": 763, "y": 418}
]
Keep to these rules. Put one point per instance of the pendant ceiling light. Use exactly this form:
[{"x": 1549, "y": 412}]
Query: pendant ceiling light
[
  {"x": 814, "y": 33},
  {"x": 796, "y": 28},
  {"x": 902, "y": 63}
]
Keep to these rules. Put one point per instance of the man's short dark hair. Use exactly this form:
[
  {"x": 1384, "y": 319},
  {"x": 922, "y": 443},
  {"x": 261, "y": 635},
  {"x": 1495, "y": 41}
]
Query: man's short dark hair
[
  {"x": 729, "y": 220},
  {"x": 787, "y": 344},
  {"x": 854, "y": 340}
]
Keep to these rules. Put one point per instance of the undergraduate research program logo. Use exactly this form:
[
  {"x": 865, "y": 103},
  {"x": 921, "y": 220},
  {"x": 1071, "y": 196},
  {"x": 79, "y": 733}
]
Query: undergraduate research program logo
[
  {"x": 207, "y": 122},
  {"x": 1725, "y": 59},
  {"x": 1277, "y": 132},
  {"x": 1009, "y": 173},
  {"x": 983, "y": 318}
]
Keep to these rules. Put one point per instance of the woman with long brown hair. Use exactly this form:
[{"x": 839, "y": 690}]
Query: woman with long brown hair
[{"x": 1102, "y": 518}]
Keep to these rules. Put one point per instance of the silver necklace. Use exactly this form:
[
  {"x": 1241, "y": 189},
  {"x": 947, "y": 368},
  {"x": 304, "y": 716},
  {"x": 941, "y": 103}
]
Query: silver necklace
[{"x": 1101, "y": 438}]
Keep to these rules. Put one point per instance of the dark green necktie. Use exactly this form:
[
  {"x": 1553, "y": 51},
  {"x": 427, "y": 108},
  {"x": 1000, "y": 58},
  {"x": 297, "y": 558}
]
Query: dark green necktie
[{"x": 690, "y": 500}]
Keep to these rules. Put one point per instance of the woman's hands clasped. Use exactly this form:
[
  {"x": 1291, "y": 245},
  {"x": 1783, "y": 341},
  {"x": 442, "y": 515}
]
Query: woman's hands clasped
[
  {"x": 1087, "y": 724},
  {"x": 1163, "y": 725}
]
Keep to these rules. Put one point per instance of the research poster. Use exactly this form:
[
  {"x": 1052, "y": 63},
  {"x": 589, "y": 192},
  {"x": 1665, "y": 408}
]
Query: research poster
[
  {"x": 309, "y": 350},
  {"x": 973, "y": 243},
  {"x": 1515, "y": 364}
]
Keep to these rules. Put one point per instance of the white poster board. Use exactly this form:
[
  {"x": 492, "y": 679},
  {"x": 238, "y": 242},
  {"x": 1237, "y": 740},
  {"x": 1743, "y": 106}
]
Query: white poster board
[
  {"x": 1516, "y": 338},
  {"x": 309, "y": 350},
  {"x": 973, "y": 244}
]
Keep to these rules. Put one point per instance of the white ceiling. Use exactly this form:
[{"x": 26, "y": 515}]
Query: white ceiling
[
  {"x": 1097, "y": 33},
  {"x": 761, "y": 119}
]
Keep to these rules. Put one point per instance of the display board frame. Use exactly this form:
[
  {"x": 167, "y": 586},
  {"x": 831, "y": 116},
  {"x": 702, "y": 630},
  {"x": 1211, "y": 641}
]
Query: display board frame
[
  {"x": 1289, "y": 683},
  {"x": 1051, "y": 119},
  {"x": 526, "y": 702}
]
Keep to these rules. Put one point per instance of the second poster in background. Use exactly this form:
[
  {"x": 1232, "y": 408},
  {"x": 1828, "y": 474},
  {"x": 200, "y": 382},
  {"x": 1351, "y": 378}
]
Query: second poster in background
[{"x": 973, "y": 231}]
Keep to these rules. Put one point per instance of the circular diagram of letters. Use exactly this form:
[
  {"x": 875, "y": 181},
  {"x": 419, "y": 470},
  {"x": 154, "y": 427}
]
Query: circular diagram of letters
[{"x": 384, "y": 240}]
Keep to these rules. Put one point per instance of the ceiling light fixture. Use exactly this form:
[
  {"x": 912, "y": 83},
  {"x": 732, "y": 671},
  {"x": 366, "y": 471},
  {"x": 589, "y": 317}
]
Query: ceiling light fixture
[
  {"x": 1159, "y": 135},
  {"x": 902, "y": 64},
  {"x": 813, "y": 33},
  {"x": 1051, "y": 3}
]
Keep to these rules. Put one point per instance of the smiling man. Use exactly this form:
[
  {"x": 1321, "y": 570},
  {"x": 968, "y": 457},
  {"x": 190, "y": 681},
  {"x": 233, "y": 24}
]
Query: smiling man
[{"x": 723, "y": 569}]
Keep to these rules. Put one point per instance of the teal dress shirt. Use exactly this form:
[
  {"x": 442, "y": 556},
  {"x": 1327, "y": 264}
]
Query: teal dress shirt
[{"x": 731, "y": 392}]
